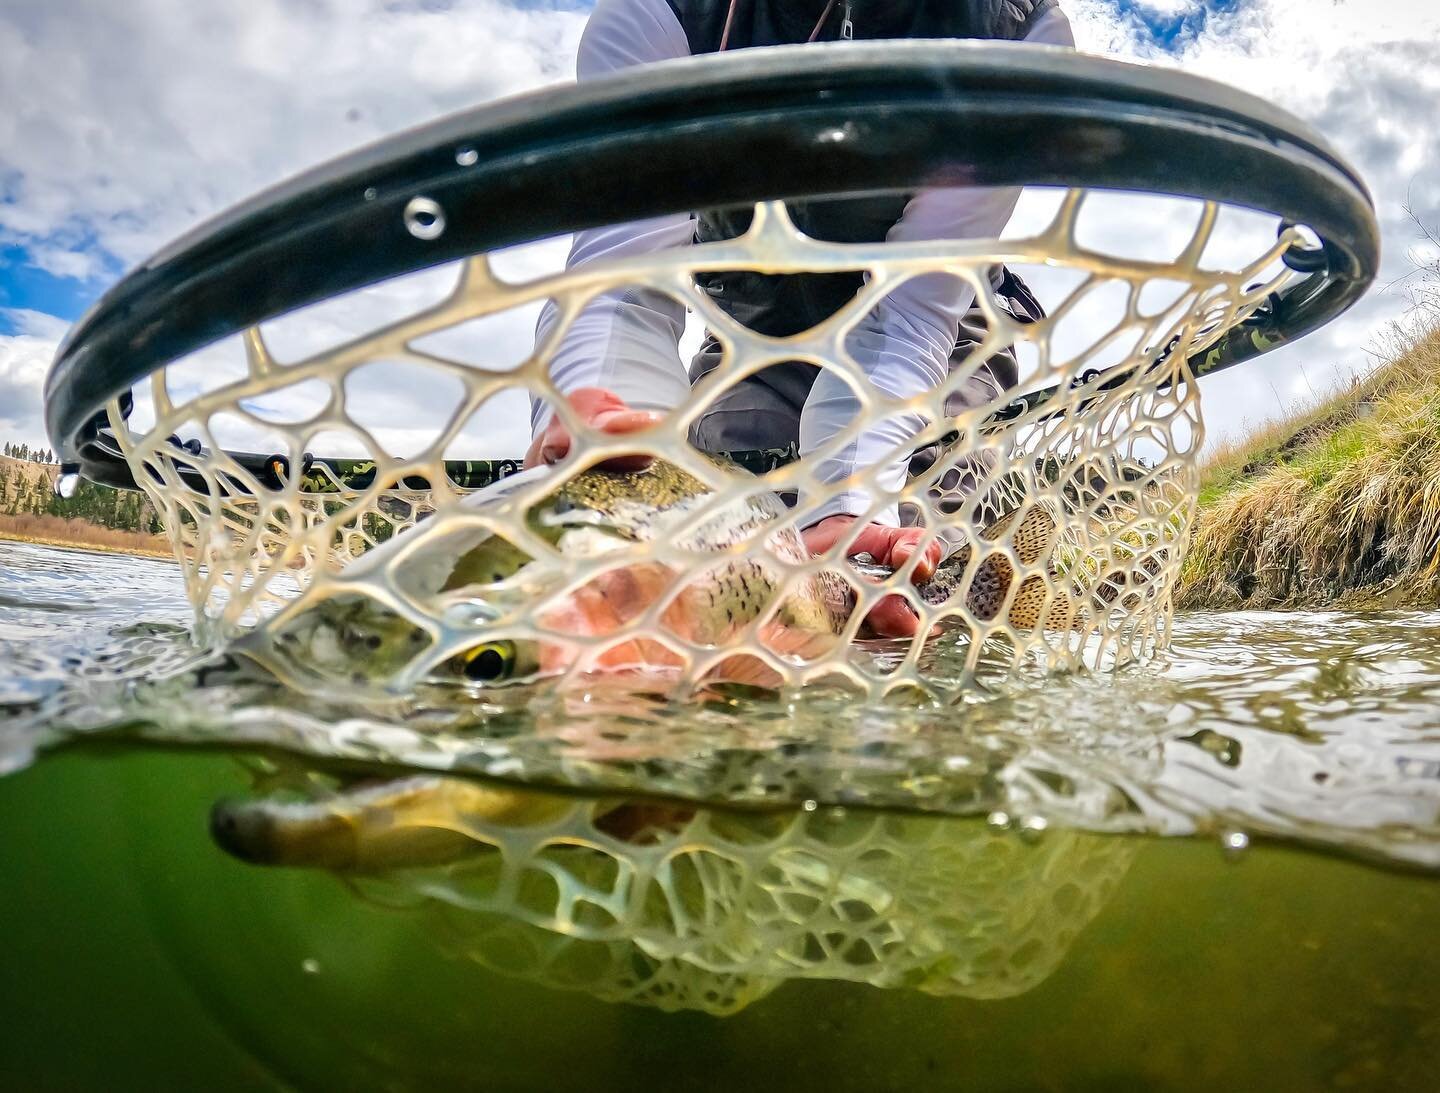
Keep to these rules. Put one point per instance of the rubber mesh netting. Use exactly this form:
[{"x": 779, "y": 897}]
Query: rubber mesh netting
[
  {"x": 683, "y": 908},
  {"x": 1065, "y": 519}
]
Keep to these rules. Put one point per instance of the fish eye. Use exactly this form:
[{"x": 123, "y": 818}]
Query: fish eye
[{"x": 489, "y": 662}]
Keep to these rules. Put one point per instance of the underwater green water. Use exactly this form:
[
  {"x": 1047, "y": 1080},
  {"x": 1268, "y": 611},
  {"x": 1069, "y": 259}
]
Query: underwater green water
[
  {"x": 1219, "y": 873},
  {"x": 141, "y": 957}
]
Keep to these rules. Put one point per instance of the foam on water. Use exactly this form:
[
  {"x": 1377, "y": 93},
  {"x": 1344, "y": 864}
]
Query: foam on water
[{"x": 1312, "y": 726}]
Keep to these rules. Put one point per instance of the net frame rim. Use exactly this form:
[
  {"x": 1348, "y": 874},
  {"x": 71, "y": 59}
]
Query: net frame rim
[{"x": 889, "y": 116}]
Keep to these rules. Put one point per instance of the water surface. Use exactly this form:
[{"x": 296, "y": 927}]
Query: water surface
[{"x": 1316, "y": 726}]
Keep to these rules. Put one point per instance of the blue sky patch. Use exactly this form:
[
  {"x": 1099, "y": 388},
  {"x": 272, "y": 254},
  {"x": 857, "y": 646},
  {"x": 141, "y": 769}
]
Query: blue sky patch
[
  {"x": 1170, "y": 32},
  {"x": 24, "y": 285}
]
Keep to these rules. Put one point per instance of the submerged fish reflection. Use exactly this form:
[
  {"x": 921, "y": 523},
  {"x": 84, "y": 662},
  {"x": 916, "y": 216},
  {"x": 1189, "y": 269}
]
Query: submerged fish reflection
[{"x": 681, "y": 907}]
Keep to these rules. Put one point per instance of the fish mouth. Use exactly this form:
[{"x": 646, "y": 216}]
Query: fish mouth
[
  {"x": 366, "y": 825},
  {"x": 241, "y": 831}
]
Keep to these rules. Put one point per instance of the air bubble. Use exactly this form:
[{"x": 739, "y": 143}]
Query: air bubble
[
  {"x": 1234, "y": 843},
  {"x": 310, "y": 966},
  {"x": 467, "y": 157},
  {"x": 809, "y": 806},
  {"x": 66, "y": 485},
  {"x": 999, "y": 820},
  {"x": 1032, "y": 828}
]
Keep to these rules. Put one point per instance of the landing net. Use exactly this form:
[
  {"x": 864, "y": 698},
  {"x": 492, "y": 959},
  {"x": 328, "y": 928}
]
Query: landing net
[
  {"x": 678, "y": 908},
  {"x": 1065, "y": 518}
]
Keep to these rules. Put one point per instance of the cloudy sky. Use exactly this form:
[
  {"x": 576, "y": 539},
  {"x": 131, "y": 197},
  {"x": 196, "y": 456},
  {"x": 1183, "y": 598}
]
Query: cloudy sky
[{"x": 123, "y": 124}]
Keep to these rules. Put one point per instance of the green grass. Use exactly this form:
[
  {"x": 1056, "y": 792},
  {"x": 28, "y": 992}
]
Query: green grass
[{"x": 1339, "y": 502}]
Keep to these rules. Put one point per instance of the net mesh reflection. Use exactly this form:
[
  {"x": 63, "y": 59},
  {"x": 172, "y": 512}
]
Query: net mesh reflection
[{"x": 680, "y": 908}]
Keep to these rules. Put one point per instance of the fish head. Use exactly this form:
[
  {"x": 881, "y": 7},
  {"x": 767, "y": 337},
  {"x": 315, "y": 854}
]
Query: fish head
[{"x": 495, "y": 601}]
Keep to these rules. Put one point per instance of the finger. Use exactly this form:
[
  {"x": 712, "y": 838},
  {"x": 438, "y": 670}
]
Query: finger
[
  {"x": 895, "y": 546},
  {"x": 820, "y": 537},
  {"x": 928, "y": 562},
  {"x": 871, "y": 539},
  {"x": 555, "y": 442},
  {"x": 893, "y": 617},
  {"x": 619, "y": 422},
  {"x": 621, "y": 463},
  {"x": 551, "y": 446},
  {"x": 589, "y": 401}
]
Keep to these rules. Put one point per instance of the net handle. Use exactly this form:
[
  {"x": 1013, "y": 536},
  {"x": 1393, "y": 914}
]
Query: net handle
[{"x": 876, "y": 116}]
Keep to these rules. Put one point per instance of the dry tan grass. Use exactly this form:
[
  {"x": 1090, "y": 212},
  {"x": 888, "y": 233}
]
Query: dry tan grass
[
  {"x": 54, "y": 531},
  {"x": 1344, "y": 507}
]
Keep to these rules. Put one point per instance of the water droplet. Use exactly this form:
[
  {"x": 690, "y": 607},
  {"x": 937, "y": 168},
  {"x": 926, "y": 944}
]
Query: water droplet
[
  {"x": 371, "y": 193},
  {"x": 809, "y": 806},
  {"x": 1234, "y": 843},
  {"x": 471, "y": 613},
  {"x": 467, "y": 157},
  {"x": 310, "y": 966},
  {"x": 999, "y": 820},
  {"x": 1032, "y": 828},
  {"x": 67, "y": 484}
]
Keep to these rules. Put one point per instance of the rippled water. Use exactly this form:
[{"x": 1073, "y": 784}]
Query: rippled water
[
  {"x": 963, "y": 860},
  {"x": 1319, "y": 726}
]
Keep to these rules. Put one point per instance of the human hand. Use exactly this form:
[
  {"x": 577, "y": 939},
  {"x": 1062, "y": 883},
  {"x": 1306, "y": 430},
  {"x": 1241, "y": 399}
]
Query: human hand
[
  {"x": 892, "y": 617},
  {"x": 599, "y": 409}
]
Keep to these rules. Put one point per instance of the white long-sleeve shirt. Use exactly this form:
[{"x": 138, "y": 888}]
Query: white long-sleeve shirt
[{"x": 627, "y": 340}]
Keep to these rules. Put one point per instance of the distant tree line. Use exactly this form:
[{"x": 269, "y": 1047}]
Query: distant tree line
[
  {"x": 24, "y": 491},
  {"x": 23, "y": 451}
]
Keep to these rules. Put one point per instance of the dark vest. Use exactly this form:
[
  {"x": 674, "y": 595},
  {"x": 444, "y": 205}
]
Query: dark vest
[
  {"x": 784, "y": 22},
  {"x": 781, "y": 305}
]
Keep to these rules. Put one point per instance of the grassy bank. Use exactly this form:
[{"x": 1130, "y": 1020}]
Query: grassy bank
[
  {"x": 54, "y": 531},
  {"x": 1338, "y": 504}
]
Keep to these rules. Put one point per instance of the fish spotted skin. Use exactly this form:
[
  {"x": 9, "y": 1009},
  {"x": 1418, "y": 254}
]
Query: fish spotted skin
[{"x": 353, "y": 637}]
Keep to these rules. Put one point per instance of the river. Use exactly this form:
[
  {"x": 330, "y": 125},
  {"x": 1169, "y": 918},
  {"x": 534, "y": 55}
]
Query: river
[{"x": 1214, "y": 871}]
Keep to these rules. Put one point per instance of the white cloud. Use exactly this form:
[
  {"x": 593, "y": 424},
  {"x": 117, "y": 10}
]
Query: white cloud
[
  {"x": 1367, "y": 77},
  {"x": 25, "y": 357},
  {"x": 127, "y": 123},
  {"x": 79, "y": 265},
  {"x": 35, "y": 323},
  {"x": 24, "y": 360}
]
